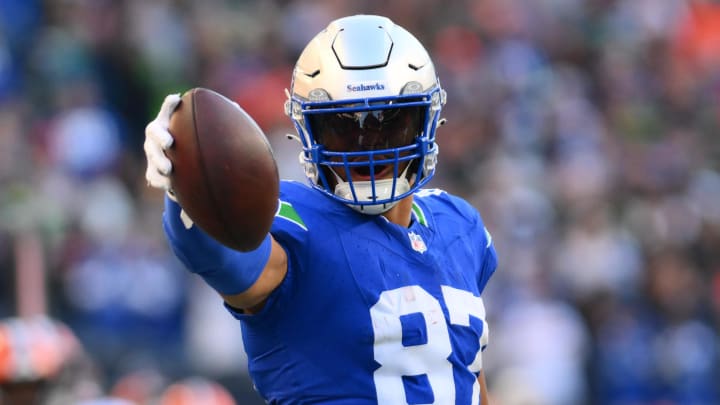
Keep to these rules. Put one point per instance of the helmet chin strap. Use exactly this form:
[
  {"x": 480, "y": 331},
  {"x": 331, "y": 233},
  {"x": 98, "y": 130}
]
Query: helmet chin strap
[{"x": 364, "y": 192}]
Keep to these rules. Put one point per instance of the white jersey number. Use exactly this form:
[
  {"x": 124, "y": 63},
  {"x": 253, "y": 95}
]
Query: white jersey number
[{"x": 429, "y": 358}]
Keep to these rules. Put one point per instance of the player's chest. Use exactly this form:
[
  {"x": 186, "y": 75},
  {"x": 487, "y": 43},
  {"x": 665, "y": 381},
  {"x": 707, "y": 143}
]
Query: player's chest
[
  {"x": 413, "y": 308},
  {"x": 378, "y": 258},
  {"x": 399, "y": 284}
]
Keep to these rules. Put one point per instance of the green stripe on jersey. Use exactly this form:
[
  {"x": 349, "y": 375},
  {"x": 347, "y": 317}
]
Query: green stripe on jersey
[
  {"x": 419, "y": 214},
  {"x": 286, "y": 211}
]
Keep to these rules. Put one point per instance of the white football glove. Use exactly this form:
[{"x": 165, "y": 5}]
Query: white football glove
[{"x": 157, "y": 140}]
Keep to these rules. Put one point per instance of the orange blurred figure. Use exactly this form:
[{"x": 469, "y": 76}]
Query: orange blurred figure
[
  {"x": 697, "y": 40},
  {"x": 42, "y": 362},
  {"x": 196, "y": 390}
]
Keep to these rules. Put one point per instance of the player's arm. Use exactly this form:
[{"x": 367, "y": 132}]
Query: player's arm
[
  {"x": 252, "y": 300},
  {"x": 244, "y": 279},
  {"x": 483, "y": 388}
]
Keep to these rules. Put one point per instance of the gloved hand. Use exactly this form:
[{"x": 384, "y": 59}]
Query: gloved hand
[{"x": 157, "y": 140}]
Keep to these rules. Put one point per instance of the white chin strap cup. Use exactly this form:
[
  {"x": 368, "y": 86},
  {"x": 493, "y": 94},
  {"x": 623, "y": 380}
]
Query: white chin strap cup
[{"x": 364, "y": 192}]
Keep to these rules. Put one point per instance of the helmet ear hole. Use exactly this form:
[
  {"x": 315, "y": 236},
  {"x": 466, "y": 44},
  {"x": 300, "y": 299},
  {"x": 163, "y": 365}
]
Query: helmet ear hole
[
  {"x": 412, "y": 87},
  {"x": 430, "y": 161},
  {"x": 310, "y": 168}
]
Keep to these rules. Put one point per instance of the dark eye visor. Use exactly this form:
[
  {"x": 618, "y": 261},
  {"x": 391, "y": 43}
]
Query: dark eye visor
[{"x": 382, "y": 127}]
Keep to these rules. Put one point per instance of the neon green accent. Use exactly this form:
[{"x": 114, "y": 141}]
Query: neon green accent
[
  {"x": 419, "y": 214},
  {"x": 286, "y": 211}
]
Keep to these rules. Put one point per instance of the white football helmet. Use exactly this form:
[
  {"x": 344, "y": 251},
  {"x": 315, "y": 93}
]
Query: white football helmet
[{"x": 366, "y": 101}]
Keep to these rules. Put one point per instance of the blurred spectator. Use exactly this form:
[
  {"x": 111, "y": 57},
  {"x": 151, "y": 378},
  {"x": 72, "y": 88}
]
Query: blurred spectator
[
  {"x": 196, "y": 390},
  {"x": 84, "y": 142},
  {"x": 106, "y": 401},
  {"x": 549, "y": 367},
  {"x": 43, "y": 363},
  {"x": 142, "y": 386},
  {"x": 119, "y": 280}
]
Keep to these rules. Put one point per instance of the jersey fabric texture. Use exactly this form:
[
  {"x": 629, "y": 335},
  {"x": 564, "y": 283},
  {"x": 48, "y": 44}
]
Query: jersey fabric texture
[{"x": 371, "y": 312}]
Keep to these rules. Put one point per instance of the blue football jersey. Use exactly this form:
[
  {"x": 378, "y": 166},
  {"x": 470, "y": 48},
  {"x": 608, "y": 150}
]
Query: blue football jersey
[{"x": 369, "y": 312}]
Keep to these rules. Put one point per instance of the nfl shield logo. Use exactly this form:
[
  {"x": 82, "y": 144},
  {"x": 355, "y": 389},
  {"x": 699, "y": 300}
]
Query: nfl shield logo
[{"x": 417, "y": 243}]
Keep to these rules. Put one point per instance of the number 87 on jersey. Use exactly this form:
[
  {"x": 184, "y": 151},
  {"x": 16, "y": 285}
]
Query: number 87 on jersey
[{"x": 417, "y": 367}]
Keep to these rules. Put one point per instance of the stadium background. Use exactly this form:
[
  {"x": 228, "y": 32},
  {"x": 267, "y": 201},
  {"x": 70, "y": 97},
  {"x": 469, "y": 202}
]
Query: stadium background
[{"x": 586, "y": 132}]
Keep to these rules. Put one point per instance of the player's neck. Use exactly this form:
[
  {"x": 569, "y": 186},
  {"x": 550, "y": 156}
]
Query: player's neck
[{"x": 400, "y": 214}]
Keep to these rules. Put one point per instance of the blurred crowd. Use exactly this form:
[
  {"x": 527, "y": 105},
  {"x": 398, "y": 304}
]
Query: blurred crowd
[{"x": 585, "y": 131}]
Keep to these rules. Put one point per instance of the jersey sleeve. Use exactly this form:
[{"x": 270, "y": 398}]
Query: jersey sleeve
[
  {"x": 458, "y": 219},
  {"x": 469, "y": 219},
  {"x": 193, "y": 247},
  {"x": 485, "y": 249},
  {"x": 488, "y": 265},
  {"x": 226, "y": 270},
  {"x": 488, "y": 255}
]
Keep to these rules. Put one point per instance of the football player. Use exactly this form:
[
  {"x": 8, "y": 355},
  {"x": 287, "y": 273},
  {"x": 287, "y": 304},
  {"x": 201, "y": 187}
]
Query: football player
[
  {"x": 367, "y": 290},
  {"x": 43, "y": 363}
]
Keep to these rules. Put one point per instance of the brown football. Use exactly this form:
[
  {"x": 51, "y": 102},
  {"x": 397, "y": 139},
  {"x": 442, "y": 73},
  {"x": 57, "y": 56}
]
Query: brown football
[{"x": 224, "y": 173}]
